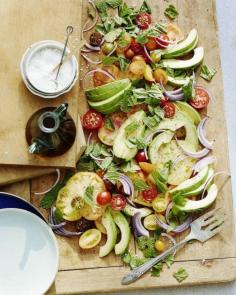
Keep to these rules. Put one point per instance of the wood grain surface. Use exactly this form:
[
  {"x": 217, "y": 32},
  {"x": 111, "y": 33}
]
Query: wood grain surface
[{"x": 82, "y": 271}]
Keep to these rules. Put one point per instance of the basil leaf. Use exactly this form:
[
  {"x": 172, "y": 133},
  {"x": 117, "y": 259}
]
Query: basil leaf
[
  {"x": 130, "y": 166},
  {"x": 171, "y": 12},
  {"x": 109, "y": 60},
  {"x": 207, "y": 73}
]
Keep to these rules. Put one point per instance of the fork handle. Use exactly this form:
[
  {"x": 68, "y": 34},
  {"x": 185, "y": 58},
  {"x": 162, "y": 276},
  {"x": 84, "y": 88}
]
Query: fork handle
[{"x": 139, "y": 271}]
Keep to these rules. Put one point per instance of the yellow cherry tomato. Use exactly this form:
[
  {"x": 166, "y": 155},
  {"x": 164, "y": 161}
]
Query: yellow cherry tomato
[
  {"x": 160, "y": 246},
  {"x": 90, "y": 238},
  {"x": 150, "y": 222}
]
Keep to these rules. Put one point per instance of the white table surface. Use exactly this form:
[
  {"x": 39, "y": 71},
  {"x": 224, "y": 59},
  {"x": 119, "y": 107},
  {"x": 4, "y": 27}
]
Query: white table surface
[{"x": 226, "y": 16}]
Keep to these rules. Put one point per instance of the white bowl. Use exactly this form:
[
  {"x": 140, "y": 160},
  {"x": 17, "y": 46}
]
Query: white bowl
[{"x": 28, "y": 253}]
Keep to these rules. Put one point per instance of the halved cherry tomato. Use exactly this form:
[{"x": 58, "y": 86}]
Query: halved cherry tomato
[
  {"x": 92, "y": 120},
  {"x": 100, "y": 79},
  {"x": 150, "y": 194},
  {"x": 161, "y": 44},
  {"x": 104, "y": 198},
  {"x": 143, "y": 20},
  {"x": 201, "y": 98},
  {"x": 118, "y": 119},
  {"x": 164, "y": 101},
  {"x": 151, "y": 44},
  {"x": 169, "y": 109},
  {"x": 137, "y": 67},
  {"x": 141, "y": 157},
  {"x": 136, "y": 47},
  {"x": 129, "y": 53},
  {"x": 118, "y": 202},
  {"x": 138, "y": 57}
]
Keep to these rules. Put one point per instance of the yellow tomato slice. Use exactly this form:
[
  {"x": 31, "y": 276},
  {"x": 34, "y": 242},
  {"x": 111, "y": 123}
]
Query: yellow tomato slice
[{"x": 90, "y": 238}]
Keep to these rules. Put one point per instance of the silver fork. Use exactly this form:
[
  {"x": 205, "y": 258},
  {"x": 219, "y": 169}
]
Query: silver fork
[{"x": 202, "y": 229}]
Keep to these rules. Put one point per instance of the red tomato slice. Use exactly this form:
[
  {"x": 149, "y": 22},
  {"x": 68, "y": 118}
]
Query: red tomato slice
[
  {"x": 141, "y": 157},
  {"x": 169, "y": 109},
  {"x": 118, "y": 202},
  {"x": 92, "y": 120},
  {"x": 150, "y": 194},
  {"x": 103, "y": 198},
  {"x": 164, "y": 101},
  {"x": 143, "y": 20},
  {"x": 136, "y": 47},
  {"x": 201, "y": 99}
]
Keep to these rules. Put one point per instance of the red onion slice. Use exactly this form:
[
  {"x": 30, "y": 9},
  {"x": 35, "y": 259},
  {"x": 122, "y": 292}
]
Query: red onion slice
[
  {"x": 194, "y": 155},
  {"x": 89, "y": 60},
  {"x": 84, "y": 50},
  {"x": 84, "y": 29},
  {"x": 113, "y": 50},
  {"x": 147, "y": 54},
  {"x": 159, "y": 39},
  {"x": 161, "y": 44},
  {"x": 203, "y": 163},
  {"x": 139, "y": 229},
  {"x": 55, "y": 183},
  {"x": 127, "y": 184},
  {"x": 174, "y": 97},
  {"x": 94, "y": 71},
  {"x": 93, "y": 48},
  {"x": 202, "y": 136},
  {"x": 178, "y": 229}
]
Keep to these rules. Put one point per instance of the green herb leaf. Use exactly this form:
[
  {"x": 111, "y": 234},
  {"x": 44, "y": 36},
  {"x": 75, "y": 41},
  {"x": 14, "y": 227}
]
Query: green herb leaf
[
  {"x": 137, "y": 261},
  {"x": 109, "y": 124},
  {"x": 147, "y": 246},
  {"x": 171, "y": 12},
  {"x": 145, "y": 7},
  {"x": 130, "y": 166},
  {"x": 188, "y": 90},
  {"x": 124, "y": 63},
  {"x": 131, "y": 128},
  {"x": 142, "y": 38},
  {"x": 169, "y": 260},
  {"x": 207, "y": 73},
  {"x": 114, "y": 3},
  {"x": 180, "y": 275},
  {"x": 179, "y": 199},
  {"x": 88, "y": 196},
  {"x": 101, "y": 6},
  {"x": 161, "y": 28},
  {"x": 157, "y": 269},
  {"x": 109, "y": 60},
  {"x": 51, "y": 196},
  {"x": 112, "y": 175},
  {"x": 126, "y": 257},
  {"x": 140, "y": 185},
  {"x": 105, "y": 163}
]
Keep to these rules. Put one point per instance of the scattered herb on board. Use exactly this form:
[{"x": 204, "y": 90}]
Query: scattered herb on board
[
  {"x": 51, "y": 196},
  {"x": 171, "y": 12},
  {"x": 180, "y": 275},
  {"x": 207, "y": 73}
]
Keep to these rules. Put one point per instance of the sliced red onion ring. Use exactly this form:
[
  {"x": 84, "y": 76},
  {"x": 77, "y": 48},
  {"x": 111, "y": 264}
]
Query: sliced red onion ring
[
  {"x": 203, "y": 163},
  {"x": 89, "y": 138},
  {"x": 93, "y": 48},
  {"x": 166, "y": 41},
  {"x": 161, "y": 44},
  {"x": 95, "y": 18},
  {"x": 89, "y": 60},
  {"x": 207, "y": 91},
  {"x": 173, "y": 241},
  {"x": 174, "y": 97},
  {"x": 147, "y": 54},
  {"x": 139, "y": 229},
  {"x": 194, "y": 155},
  {"x": 55, "y": 183},
  {"x": 94, "y": 71},
  {"x": 210, "y": 179},
  {"x": 202, "y": 136},
  {"x": 57, "y": 227},
  {"x": 127, "y": 184},
  {"x": 113, "y": 50},
  {"x": 84, "y": 50}
]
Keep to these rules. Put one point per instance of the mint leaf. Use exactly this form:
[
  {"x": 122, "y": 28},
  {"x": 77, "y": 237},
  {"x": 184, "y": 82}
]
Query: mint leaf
[
  {"x": 105, "y": 163},
  {"x": 124, "y": 63},
  {"x": 207, "y": 73},
  {"x": 109, "y": 60},
  {"x": 140, "y": 185},
  {"x": 188, "y": 90},
  {"x": 112, "y": 175},
  {"x": 130, "y": 166},
  {"x": 101, "y": 6},
  {"x": 180, "y": 275},
  {"x": 142, "y": 38},
  {"x": 171, "y": 12}
]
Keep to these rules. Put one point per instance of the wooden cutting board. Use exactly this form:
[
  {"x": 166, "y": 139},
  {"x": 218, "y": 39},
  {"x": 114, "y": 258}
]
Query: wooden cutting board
[
  {"x": 83, "y": 272},
  {"x": 23, "y": 23}
]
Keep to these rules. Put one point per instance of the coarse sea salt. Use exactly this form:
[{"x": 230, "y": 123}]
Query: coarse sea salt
[{"x": 40, "y": 70}]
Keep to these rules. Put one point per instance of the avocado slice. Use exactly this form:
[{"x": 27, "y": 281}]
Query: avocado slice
[
  {"x": 162, "y": 138},
  {"x": 201, "y": 204},
  {"x": 183, "y": 47},
  {"x": 189, "y": 111},
  {"x": 175, "y": 81},
  {"x": 109, "y": 105},
  {"x": 120, "y": 148},
  {"x": 130, "y": 211},
  {"x": 110, "y": 226},
  {"x": 107, "y": 90},
  {"x": 185, "y": 64},
  {"x": 192, "y": 183},
  {"x": 123, "y": 225}
]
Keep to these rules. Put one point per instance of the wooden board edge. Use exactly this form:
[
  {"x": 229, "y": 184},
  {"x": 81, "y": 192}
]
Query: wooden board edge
[{"x": 107, "y": 279}]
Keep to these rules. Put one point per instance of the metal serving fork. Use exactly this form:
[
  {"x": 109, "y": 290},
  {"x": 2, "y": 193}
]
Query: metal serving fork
[{"x": 202, "y": 229}]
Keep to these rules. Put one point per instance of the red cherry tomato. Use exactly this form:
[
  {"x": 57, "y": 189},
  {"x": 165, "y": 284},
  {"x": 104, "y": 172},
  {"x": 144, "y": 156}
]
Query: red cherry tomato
[
  {"x": 143, "y": 20},
  {"x": 150, "y": 194},
  {"x": 103, "y": 198},
  {"x": 151, "y": 44},
  {"x": 201, "y": 98},
  {"x": 92, "y": 120},
  {"x": 161, "y": 44},
  {"x": 118, "y": 119},
  {"x": 164, "y": 101},
  {"x": 136, "y": 47},
  {"x": 118, "y": 202},
  {"x": 169, "y": 109},
  {"x": 141, "y": 157},
  {"x": 129, "y": 53}
]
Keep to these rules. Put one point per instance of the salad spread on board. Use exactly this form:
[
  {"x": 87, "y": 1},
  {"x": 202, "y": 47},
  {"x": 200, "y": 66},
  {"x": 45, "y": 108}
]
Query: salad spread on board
[{"x": 147, "y": 170}]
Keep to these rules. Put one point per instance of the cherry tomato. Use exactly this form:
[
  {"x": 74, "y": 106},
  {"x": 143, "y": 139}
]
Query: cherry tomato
[
  {"x": 118, "y": 119},
  {"x": 201, "y": 98},
  {"x": 160, "y": 76},
  {"x": 92, "y": 120},
  {"x": 150, "y": 194},
  {"x": 118, "y": 202},
  {"x": 143, "y": 20},
  {"x": 100, "y": 79},
  {"x": 169, "y": 109},
  {"x": 161, "y": 44},
  {"x": 138, "y": 57},
  {"x": 103, "y": 198},
  {"x": 164, "y": 101},
  {"x": 151, "y": 44},
  {"x": 141, "y": 157},
  {"x": 136, "y": 47},
  {"x": 129, "y": 53}
]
